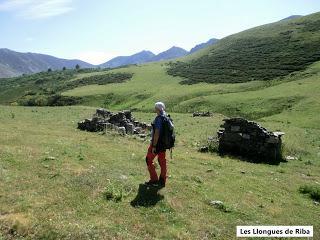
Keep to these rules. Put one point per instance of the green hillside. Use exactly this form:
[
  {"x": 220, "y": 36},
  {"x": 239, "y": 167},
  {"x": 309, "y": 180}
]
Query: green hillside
[
  {"x": 43, "y": 89},
  {"x": 261, "y": 53},
  {"x": 57, "y": 182}
]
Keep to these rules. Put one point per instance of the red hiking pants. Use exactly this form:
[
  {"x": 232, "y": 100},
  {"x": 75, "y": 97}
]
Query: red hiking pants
[{"x": 162, "y": 162}]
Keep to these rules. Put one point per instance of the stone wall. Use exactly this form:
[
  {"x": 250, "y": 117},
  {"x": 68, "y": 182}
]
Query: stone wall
[
  {"x": 202, "y": 114},
  {"x": 250, "y": 140},
  {"x": 122, "y": 122}
]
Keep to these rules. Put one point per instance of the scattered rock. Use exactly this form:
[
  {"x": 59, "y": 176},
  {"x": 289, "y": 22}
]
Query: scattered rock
[
  {"x": 202, "y": 114},
  {"x": 123, "y": 177},
  {"x": 204, "y": 149},
  {"x": 142, "y": 135},
  {"x": 121, "y": 122},
  {"x": 130, "y": 128},
  {"x": 211, "y": 138},
  {"x": 216, "y": 203},
  {"x": 137, "y": 130},
  {"x": 219, "y": 205},
  {"x": 316, "y": 203},
  {"x": 122, "y": 131},
  {"x": 103, "y": 112},
  {"x": 288, "y": 158}
]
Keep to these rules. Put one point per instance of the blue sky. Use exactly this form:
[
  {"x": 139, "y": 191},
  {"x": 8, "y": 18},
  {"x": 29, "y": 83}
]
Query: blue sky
[{"x": 97, "y": 30}]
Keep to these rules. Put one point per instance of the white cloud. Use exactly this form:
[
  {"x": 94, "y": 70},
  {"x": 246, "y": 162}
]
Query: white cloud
[
  {"x": 95, "y": 57},
  {"x": 35, "y": 9}
]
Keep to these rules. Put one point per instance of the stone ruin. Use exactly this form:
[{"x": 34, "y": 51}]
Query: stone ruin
[
  {"x": 250, "y": 140},
  {"x": 122, "y": 122},
  {"x": 202, "y": 114}
]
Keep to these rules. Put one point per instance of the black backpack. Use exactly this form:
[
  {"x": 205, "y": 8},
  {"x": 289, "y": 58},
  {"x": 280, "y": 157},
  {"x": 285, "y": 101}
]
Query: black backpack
[{"x": 167, "y": 137}]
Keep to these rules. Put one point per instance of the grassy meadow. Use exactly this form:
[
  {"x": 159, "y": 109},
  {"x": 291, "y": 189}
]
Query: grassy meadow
[
  {"x": 295, "y": 94},
  {"x": 57, "y": 182}
]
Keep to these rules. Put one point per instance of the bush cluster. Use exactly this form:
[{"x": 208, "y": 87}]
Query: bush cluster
[
  {"x": 251, "y": 57},
  {"x": 45, "y": 88},
  {"x": 312, "y": 191},
  {"x": 96, "y": 79},
  {"x": 50, "y": 100}
]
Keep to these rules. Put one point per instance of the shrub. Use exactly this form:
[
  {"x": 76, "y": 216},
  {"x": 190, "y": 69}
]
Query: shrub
[
  {"x": 312, "y": 191},
  {"x": 51, "y": 100},
  {"x": 96, "y": 79},
  {"x": 116, "y": 192},
  {"x": 257, "y": 54},
  {"x": 59, "y": 100}
]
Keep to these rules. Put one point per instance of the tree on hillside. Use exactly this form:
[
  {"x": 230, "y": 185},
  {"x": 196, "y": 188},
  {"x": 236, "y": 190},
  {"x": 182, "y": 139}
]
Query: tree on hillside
[
  {"x": 64, "y": 68},
  {"x": 77, "y": 66},
  {"x": 49, "y": 70}
]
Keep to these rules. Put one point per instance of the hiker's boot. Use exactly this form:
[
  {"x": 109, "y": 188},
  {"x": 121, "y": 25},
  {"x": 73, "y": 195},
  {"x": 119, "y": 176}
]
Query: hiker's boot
[
  {"x": 151, "y": 183},
  {"x": 162, "y": 182}
]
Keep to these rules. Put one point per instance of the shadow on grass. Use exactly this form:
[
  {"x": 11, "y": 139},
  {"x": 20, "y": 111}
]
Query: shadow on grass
[
  {"x": 147, "y": 196},
  {"x": 253, "y": 159}
]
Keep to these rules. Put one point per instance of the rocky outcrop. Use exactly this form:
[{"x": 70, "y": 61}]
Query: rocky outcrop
[
  {"x": 122, "y": 122},
  {"x": 250, "y": 140},
  {"x": 202, "y": 114}
]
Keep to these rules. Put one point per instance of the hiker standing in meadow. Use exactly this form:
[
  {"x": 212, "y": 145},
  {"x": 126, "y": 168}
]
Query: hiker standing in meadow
[{"x": 162, "y": 138}]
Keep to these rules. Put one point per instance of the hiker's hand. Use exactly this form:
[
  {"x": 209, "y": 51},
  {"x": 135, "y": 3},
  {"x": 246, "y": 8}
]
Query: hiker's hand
[{"x": 153, "y": 150}]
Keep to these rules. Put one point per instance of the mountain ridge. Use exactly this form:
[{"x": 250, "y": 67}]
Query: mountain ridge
[
  {"x": 144, "y": 57},
  {"x": 291, "y": 17},
  {"x": 171, "y": 53},
  {"x": 27, "y": 63},
  {"x": 13, "y": 63},
  {"x": 203, "y": 45},
  {"x": 16, "y": 63},
  {"x": 137, "y": 58}
]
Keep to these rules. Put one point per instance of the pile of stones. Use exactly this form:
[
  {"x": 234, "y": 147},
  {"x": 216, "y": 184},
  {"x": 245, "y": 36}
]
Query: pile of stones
[
  {"x": 123, "y": 122},
  {"x": 202, "y": 114},
  {"x": 250, "y": 140}
]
